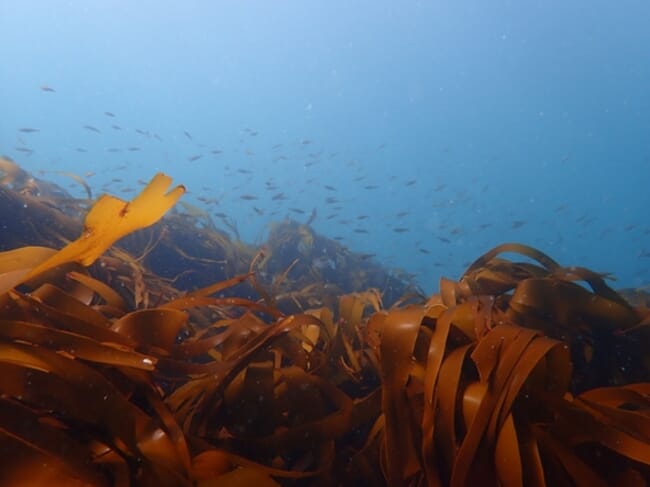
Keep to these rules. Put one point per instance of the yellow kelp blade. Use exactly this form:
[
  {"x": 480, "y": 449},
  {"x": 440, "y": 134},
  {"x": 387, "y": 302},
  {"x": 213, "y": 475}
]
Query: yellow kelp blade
[{"x": 109, "y": 220}]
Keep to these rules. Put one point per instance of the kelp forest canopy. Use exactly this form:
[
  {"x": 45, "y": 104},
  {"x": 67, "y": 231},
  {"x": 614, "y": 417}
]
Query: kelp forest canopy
[{"x": 142, "y": 345}]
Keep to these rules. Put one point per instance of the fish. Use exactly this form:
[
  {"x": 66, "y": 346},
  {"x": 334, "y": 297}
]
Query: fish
[
  {"x": 28, "y": 130},
  {"x": 109, "y": 114},
  {"x": 187, "y": 134},
  {"x": 371, "y": 186},
  {"x": 330, "y": 188},
  {"x": 297, "y": 210},
  {"x": 400, "y": 229},
  {"x": 366, "y": 256},
  {"x": 48, "y": 89},
  {"x": 248, "y": 197},
  {"x": 195, "y": 158},
  {"x": 279, "y": 196},
  {"x": 92, "y": 129},
  {"x": 133, "y": 149},
  {"x": 116, "y": 127}
]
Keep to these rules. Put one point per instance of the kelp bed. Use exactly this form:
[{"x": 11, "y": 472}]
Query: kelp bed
[{"x": 520, "y": 373}]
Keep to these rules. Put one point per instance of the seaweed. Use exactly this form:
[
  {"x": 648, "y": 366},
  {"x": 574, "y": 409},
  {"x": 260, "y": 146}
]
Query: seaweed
[{"x": 281, "y": 373}]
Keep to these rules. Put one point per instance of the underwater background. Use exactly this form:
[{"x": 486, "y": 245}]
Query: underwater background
[{"x": 423, "y": 132}]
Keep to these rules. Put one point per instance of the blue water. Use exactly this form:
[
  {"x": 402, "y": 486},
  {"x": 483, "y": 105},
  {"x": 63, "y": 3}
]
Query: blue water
[{"x": 478, "y": 122}]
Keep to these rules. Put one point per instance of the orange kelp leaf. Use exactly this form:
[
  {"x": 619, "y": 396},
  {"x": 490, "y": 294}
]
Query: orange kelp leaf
[
  {"x": 209, "y": 465},
  {"x": 576, "y": 469},
  {"x": 620, "y": 429},
  {"x": 241, "y": 477},
  {"x": 516, "y": 248},
  {"x": 504, "y": 359},
  {"x": 107, "y": 293},
  {"x": 449, "y": 403},
  {"x": 399, "y": 332},
  {"x": 44, "y": 312},
  {"x": 193, "y": 302},
  {"x": 180, "y": 449},
  {"x": 80, "y": 397},
  {"x": 24, "y": 258},
  {"x": 73, "y": 390},
  {"x": 111, "y": 218},
  {"x": 596, "y": 282},
  {"x": 494, "y": 276},
  {"x": 60, "y": 300},
  {"x": 16, "y": 264},
  {"x": 564, "y": 301},
  {"x": 435, "y": 354},
  {"x": 351, "y": 308},
  {"x": 181, "y": 302},
  {"x": 202, "y": 408},
  {"x": 156, "y": 327},
  {"x": 74, "y": 344},
  {"x": 249, "y": 401},
  {"x": 303, "y": 396},
  {"x": 54, "y": 443}
]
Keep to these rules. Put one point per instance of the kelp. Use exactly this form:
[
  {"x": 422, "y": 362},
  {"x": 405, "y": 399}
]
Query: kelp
[{"x": 519, "y": 373}]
